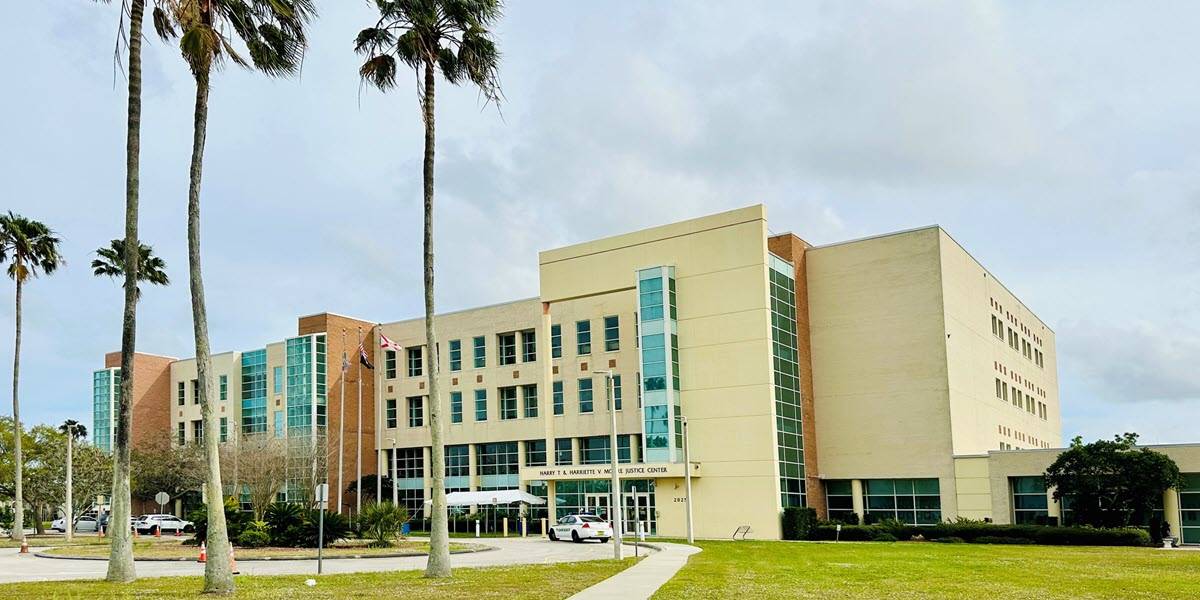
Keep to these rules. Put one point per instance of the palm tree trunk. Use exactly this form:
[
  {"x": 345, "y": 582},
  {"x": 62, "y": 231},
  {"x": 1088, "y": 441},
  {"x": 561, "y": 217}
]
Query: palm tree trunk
[
  {"x": 18, "y": 528},
  {"x": 439, "y": 536},
  {"x": 120, "y": 556},
  {"x": 218, "y": 576}
]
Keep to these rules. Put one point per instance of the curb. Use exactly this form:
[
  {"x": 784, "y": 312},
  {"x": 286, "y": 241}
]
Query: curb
[{"x": 273, "y": 558}]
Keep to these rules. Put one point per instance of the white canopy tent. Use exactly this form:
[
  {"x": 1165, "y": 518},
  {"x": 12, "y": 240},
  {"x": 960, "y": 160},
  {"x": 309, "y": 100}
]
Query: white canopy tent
[{"x": 497, "y": 497}]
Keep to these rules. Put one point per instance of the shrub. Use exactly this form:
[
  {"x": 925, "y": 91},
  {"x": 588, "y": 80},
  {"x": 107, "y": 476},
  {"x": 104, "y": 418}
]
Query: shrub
[
  {"x": 285, "y": 524},
  {"x": 382, "y": 522},
  {"x": 251, "y": 538},
  {"x": 6, "y": 518},
  {"x": 235, "y": 521},
  {"x": 336, "y": 528},
  {"x": 884, "y": 536},
  {"x": 850, "y": 533},
  {"x": 1087, "y": 536},
  {"x": 798, "y": 522},
  {"x": 950, "y": 540},
  {"x": 992, "y": 539}
]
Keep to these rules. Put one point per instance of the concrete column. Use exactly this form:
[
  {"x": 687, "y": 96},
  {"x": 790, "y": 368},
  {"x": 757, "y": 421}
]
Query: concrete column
[
  {"x": 1053, "y": 508},
  {"x": 427, "y": 471},
  {"x": 856, "y": 491},
  {"x": 472, "y": 460},
  {"x": 1171, "y": 512},
  {"x": 551, "y": 502}
]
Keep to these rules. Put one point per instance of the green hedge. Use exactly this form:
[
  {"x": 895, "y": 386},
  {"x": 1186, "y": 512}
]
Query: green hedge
[
  {"x": 798, "y": 522},
  {"x": 988, "y": 533}
]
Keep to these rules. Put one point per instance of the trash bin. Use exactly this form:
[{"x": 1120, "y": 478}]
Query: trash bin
[{"x": 406, "y": 529}]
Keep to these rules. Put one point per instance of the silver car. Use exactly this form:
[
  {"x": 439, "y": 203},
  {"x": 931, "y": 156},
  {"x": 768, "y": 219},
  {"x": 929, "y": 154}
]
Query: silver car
[{"x": 83, "y": 524}]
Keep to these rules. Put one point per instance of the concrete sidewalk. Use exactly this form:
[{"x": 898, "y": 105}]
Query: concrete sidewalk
[{"x": 644, "y": 578}]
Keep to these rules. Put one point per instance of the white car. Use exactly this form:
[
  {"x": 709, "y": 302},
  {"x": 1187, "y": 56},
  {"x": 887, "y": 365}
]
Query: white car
[
  {"x": 83, "y": 524},
  {"x": 147, "y": 523},
  {"x": 581, "y": 527}
]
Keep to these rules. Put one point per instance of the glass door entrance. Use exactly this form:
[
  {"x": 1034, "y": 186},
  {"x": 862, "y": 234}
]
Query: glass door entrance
[
  {"x": 597, "y": 504},
  {"x": 637, "y": 510}
]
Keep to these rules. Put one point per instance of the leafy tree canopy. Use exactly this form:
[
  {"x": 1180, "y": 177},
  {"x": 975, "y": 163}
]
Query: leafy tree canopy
[{"x": 1112, "y": 483}]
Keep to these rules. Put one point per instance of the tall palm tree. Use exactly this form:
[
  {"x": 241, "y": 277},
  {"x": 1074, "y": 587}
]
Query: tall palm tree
[
  {"x": 29, "y": 247},
  {"x": 450, "y": 36},
  {"x": 110, "y": 262},
  {"x": 273, "y": 33},
  {"x": 120, "y": 560},
  {"x": 74, "y": 431}
]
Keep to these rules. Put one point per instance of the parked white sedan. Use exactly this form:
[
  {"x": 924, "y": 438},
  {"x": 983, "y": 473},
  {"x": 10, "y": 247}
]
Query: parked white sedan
[
  {"x": 83, "y": 524},
  {"x": 581, "y": 527},
  {"x": 146, "y": 524}
]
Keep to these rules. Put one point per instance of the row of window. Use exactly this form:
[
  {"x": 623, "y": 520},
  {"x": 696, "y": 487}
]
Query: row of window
[
  {"x": 510, "y": 346},
  {"x": 513, "y": 402},
  {"x": 911, "y": 501},
  {"x": 198, "y": 431},
  {"x": 1017, "y": 342},
  {"x": 503, "y": 458},
  {"x": 1021, "y": 437},
  {"x": 1024, "y": 400},
  {"x": 1011, "y": 318}
]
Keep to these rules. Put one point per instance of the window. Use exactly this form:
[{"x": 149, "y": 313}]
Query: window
[
  {"x": 911, "y": 501},
  {"x": 585, "y": 395},
  {"x": 277, "y": 377},
  {"x": 563, "y": 454},
  {"x": 612, "y": 333},
  {"x": 535, "y": 453},
  {"x": 416, "y": 412},
  {"x": 840, "y": 501},
  {"x": 415, "y": 361},
  {"x": 507, "y": 348},
  {"x": 594, "y": 450},
  {"x": 410, "y": 463},
  {"x": 556, "y": 341},
  {"x": 198, "y": 431},
  {"x": 499, "y": 458},
  {"x": 616, "y": 391},
  {"x": 558, "y": 398},
  {"x": 455, "y": 355},
  {"x": 480, "y": 405},
  {"x": 1029, "y": 500},
  {"x": 458, "y": 461},
  {"x": 224, "y": 429},
  {"x": 456, "y": 407},
  {"x": 390, "y": 412},
  {"x": 583, "y": 337},
  {"x": 1004, "y": 388},
  {"x": 999, "y": 389},
  {"x": 279, "y": 431},
  {"x": 195, "y": 391},
  {"x": 529, "y": 393},
  {"x": 180, "y": 394},
  {"x": 480, "y": 352},
  {"x": 508, "y": 403},
  {"x": 1189, "y": 502},
  {"x": 181, "y": 432},
  {"x": 528, "y": 345},
  {"x": 389, "y": 364},
  {"x": 223, "y": 386}
]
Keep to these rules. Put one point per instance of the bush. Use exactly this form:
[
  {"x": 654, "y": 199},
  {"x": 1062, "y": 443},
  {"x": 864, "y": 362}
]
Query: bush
[
  {"x": 382, "y": 522},
  {"x": 285, "y": 524},
  {"x": 798, "y": 522},
  {"x": 991, "y": 539},
  {"x": 950, "y": 540},
  {"x": 884, "y": 536},
  {"x": 988, "y": 533},
  {"x": 6, "y": 518},
  {"x": 336, "y": 528},
  {"x": 235, "y": 521},
  {"x": 252, "y": 538},
  {"x": 850, "y": 533}
]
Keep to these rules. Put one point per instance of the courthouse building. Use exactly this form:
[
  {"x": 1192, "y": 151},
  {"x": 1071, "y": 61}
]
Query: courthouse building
[{"x": 892, "y": 376}]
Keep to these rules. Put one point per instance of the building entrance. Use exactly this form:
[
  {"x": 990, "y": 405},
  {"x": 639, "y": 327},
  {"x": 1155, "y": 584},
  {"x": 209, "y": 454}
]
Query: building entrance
[{"x": 597, "y": 504}]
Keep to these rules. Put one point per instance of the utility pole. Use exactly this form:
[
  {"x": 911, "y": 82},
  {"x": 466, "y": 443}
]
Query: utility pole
[{"x": 615, "y": 503}]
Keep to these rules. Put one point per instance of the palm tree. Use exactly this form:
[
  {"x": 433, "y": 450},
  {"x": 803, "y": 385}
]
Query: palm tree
[
  {"x": 74, "y": 431},
  {"x": 450, "y": 36},
  {"x": 29, "y": 247},
  {"x": 273, "y": 33},
  {"x": 120, "y": 561},
  {"x": 110, "y": 262}
]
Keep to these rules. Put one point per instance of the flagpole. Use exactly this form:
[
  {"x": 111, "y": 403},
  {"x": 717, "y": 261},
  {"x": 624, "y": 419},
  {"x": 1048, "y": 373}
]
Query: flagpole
[
  {"x": 358, "y": 436},
  {"x": 378, "y": 449},
  {"x": 341, "y": 424}
]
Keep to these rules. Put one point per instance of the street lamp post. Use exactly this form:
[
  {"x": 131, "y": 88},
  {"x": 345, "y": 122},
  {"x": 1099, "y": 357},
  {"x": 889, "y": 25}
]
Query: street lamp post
[
  {"x": 392, "y": 472},
  {"x": 615, "y": 503},
  {"x": 687, "y": 479}
]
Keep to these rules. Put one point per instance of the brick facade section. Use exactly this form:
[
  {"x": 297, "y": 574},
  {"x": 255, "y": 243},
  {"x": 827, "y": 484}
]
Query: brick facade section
[
  {"x": 151, "y": 397},
  {"x": 793, "y": 249},
  {"x": 332, "y": 326}
]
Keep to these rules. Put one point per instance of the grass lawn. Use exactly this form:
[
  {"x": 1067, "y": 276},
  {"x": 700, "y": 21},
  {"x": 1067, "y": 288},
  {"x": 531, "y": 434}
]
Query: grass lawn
[
  {"x": 932, "y": 570},
  {"x": 525, "y": 581},
  {"x": 172, "y": 549}
]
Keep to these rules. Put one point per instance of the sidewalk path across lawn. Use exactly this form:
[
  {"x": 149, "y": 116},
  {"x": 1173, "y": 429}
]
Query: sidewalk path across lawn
[
  {"x": 643, "y": 579},
  {"x": 508, "y": 551}
]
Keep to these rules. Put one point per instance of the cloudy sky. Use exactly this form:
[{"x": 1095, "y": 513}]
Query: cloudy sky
[{"x": 1059, "y": 143}]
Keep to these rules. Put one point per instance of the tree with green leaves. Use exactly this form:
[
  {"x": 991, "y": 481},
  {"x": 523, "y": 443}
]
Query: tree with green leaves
[
  {"x": 120, "y": 560},
  {"x": 110, "y": 262},
  {"x": 29, "y": 248},
  {"x": 1112, "y": 483},
  {"x": 273, "y": 33},
  {"x": 430, "y": 36}
]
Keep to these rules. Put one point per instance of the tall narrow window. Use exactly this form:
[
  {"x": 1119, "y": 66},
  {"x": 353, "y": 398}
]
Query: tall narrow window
[
  {"x": 583, "y": 337},
  {"x": 616, "y": 391},
  {"x": 181, "y": 394},
  {"x": 224, "y": 437},
  {"x": 507, "y": 344},
  {"x": 508, "y": 403},
  {"x": 277, "y": 377},
  {"x": 416, "y": 411},
  {"x": 279, "y": 430},
  {"x": 390, "y": 413},
  {"x": 563, "y": 455},
  {"x": 529, "y": 392},
  {"x": 528, "y": 345},
  {"x": 195, "y": 391},
  {"x": 558, "y": 397},
  {"x": 456, "y": 407},
  {"x": 480, "y": 352},
  {"x": 455, "y": 355},
  {"x": 389, "y": 364},
  {"x": 556, "y": 341},
  {"x": 181, "y": 432},
  {"x": 415, "y": 361},
  {"x": 223, "y": 386},
  {"x": 585, "y": 395},
  {"x": 480, "y": 405},
  {"x": 612, "y": 333}
]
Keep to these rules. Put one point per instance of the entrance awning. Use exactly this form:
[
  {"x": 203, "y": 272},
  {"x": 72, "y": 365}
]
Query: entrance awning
[{"x": 490, "y": 498}]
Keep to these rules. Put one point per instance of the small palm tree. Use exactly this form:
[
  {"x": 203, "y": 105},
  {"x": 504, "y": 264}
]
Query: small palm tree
[
  {"x": 273, "y": 32},
  {"x": 450, "y": 36},
  {"x": 74, "y": 431},
  {"x": 110, "y": 262},
  {"x": 29, "y": 248}
]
